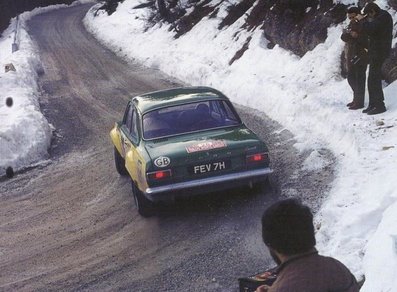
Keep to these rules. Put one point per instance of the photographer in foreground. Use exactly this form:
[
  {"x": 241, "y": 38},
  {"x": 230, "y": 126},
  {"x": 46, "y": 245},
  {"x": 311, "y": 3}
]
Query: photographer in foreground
[
  {"x": 356, "y": 55},
  {"x": 379, "y": 28},
  {"x": 288, "y": 232}
]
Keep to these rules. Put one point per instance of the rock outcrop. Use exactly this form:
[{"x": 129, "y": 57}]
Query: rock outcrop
[{"x": 296, "y": 25}]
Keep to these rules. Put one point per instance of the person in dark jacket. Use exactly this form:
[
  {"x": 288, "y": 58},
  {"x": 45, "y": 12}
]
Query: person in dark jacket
[
  {"x": 379, "y": 27},
  {"x": 288, "y": 232},
  {"x": 356, "y": 55}
]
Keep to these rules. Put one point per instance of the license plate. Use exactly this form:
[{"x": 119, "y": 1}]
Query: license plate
[{"x": 210, "y": 167}]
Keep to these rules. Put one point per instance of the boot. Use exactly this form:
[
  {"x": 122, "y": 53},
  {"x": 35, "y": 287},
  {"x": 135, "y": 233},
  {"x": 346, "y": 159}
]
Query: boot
[
  {"x": 376, "y": 110},
  {"x": 356, "y": 106},
  {"x": 370, "y": 107}
]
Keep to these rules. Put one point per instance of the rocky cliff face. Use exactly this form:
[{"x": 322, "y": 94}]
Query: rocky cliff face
[{"x": 296, "y": 25}]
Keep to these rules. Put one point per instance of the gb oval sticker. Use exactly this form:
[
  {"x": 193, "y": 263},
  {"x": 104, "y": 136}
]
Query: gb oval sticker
[{"x": 162, "y": 161}]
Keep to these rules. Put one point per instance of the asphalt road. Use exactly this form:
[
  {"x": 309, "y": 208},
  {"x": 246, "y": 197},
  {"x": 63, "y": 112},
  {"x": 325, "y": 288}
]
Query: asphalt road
[{"x": 71, "y": 224}]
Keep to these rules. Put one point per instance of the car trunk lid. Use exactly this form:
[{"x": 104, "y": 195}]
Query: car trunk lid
[{"x": 202, "y": 154}]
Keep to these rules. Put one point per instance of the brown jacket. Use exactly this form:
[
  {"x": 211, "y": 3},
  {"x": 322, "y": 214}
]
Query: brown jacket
[{"x": 311, "y": 272}]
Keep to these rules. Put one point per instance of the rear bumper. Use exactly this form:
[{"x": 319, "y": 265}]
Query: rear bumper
[{"x": 194, "y": 187}]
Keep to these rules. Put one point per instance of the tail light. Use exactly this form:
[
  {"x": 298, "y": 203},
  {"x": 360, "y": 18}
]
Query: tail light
[
  {"x": 159, "y": 175},
  {"x": 257, "y": 158}
]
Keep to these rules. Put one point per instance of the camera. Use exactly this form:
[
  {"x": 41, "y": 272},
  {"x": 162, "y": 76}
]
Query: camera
[
  {"x": 249, "y": 284},
  {"x": 355, "y": 60}
]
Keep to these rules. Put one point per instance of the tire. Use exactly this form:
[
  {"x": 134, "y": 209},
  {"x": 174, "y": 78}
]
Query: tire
[
  {"x": 145, "y": 207},
  {"x": 265, "y": 187},
  {"x": 259, "y": 187},
  {"x": 119, "y": 162}
]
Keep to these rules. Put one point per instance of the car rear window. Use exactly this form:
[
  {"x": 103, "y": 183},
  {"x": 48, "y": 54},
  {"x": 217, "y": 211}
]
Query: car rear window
[{"x": 186, "y": 118}]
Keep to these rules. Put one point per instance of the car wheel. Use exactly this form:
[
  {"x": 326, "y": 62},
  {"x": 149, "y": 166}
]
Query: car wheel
[
  {"x": 120, "y": 163},
  {"x": 145, "y": 207},
  {"x": 258, "y": 187},
  {"x": 264, "y": 187}
]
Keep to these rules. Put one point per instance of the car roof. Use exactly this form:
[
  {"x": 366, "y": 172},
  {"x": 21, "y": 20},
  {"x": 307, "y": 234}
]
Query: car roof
[{"x": 170, "y": 97}]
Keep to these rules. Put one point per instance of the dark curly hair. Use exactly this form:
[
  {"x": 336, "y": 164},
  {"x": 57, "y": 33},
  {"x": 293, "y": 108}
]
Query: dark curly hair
[
  {"x": 287, "y": 227},
  {"x": 371, "y": 7},
  {"x": 354, "y": 9}
]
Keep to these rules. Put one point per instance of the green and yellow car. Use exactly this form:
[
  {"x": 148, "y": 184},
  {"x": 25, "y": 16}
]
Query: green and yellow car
[{"x": 184, "y": 142}]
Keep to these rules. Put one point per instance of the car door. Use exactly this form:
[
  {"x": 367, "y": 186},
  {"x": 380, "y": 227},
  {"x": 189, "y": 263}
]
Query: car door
[
  {"x": 135, "y": 164},
  {"x": 126, "y": 135}
]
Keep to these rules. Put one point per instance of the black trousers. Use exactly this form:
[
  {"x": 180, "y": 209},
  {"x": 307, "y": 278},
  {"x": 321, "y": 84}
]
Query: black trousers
[
  {"x": 356, "y": 78},
  {"x": 375, "y": 91}
]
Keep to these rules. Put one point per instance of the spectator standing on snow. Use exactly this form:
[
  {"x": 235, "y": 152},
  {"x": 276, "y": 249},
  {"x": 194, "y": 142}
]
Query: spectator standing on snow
[
  {"x": 379, "y": 27},
  {"x": 356, "y": 58},
  {"x": 288, "y": 232}
]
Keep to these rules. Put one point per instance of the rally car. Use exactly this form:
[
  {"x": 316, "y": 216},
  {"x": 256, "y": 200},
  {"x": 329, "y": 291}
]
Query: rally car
[{"x": 183, "y": 142}]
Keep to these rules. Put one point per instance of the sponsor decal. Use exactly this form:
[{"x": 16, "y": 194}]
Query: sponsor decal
[
  {"x": 162, "y": 161},
  {"x": 207, "y": 145}
]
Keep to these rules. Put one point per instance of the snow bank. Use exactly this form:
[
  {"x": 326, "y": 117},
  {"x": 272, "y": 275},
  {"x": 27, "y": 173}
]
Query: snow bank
[{"x": 25, "y": 134}]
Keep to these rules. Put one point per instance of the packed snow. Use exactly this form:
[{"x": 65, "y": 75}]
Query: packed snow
[
  {"x": 307, "y": 95},
  {"x": 25, "y": 134}
]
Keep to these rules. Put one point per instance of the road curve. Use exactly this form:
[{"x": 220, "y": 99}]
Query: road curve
[{"x": 72, "y": 225}]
